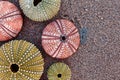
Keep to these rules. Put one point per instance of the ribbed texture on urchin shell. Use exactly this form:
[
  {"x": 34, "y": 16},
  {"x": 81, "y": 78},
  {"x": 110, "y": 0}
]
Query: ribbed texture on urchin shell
[
  {"x": 52, "y": 39},
  {"x": 44, "y": 10},
  {"x": 59, "y": 71},
  {"x": 10, "y": 20},
  {"x": 26, "y": 56}
]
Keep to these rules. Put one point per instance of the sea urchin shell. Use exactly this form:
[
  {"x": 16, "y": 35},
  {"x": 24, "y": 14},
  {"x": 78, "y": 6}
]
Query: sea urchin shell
[
  {"x": 59, "y": 71},
  {"x": 10, "y": 20},
  {"x": 60, "y": 39},
  {"x": 20, "y": 60},
  {"x": 40, "y": 10}
]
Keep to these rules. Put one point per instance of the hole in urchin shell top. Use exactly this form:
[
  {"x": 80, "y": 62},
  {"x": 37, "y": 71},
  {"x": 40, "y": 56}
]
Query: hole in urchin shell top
[
  {"x": 36, "y": 2},
  {"x": 14, "y": 68},
  {"x": 59, "y": 75},
  {"x": 63, "y": 38}
]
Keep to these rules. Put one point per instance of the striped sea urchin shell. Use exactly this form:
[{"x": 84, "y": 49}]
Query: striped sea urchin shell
[
  {"x": 10, "y": 20},
  {"x": 20, "y": 60},
  {"x": 59, "y": 71},
  {"x": 60, "y": 39},
  {"x": 40, "y": 10}
]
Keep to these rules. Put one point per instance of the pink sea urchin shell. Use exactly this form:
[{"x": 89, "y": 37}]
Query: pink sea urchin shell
[
  {"x": 60, "y": 39},
  {"x": 10, "y": 20}
]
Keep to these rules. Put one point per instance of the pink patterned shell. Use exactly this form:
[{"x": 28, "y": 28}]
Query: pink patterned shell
[
  {"x": 10, "y": 20},
  {"x": 60, "y": 39}
]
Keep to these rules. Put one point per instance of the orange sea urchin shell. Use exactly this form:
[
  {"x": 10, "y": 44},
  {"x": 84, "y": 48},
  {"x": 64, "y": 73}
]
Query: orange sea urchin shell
[
  {"x": 10, "y": 20},
  {"x": 60, "y": 39}
]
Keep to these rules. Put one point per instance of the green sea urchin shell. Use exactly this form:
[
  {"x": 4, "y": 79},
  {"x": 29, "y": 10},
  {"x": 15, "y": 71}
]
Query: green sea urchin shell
[
  {"x": 40, "y": 10},
  {"x": 20, "y": 60},
  {"x": 59, "y": 71}
]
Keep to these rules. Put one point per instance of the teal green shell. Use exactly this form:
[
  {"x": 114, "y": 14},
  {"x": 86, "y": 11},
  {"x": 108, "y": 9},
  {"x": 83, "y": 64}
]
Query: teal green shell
[
  {"x": 44, "y": 10},
  {"x": 59, "y": 71},
  {"x": 26, "y": 56}
]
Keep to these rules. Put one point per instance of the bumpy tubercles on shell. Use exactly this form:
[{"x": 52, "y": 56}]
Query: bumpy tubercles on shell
[
  {"x": 59, "y": 71},
  {"x": 60, "y": 39},
  {"x": 26, "y": 58},
  {"x": 40, "y": 10},
  {"x": 10, "y": 21}
]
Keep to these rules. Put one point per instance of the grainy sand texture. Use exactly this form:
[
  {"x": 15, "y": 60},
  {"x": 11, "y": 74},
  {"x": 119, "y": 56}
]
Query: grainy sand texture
[{"x": 99, "y": 57}]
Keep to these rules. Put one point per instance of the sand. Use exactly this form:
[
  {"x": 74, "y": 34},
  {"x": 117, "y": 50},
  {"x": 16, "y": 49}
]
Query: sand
[{"x": 99, "y": 57}]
